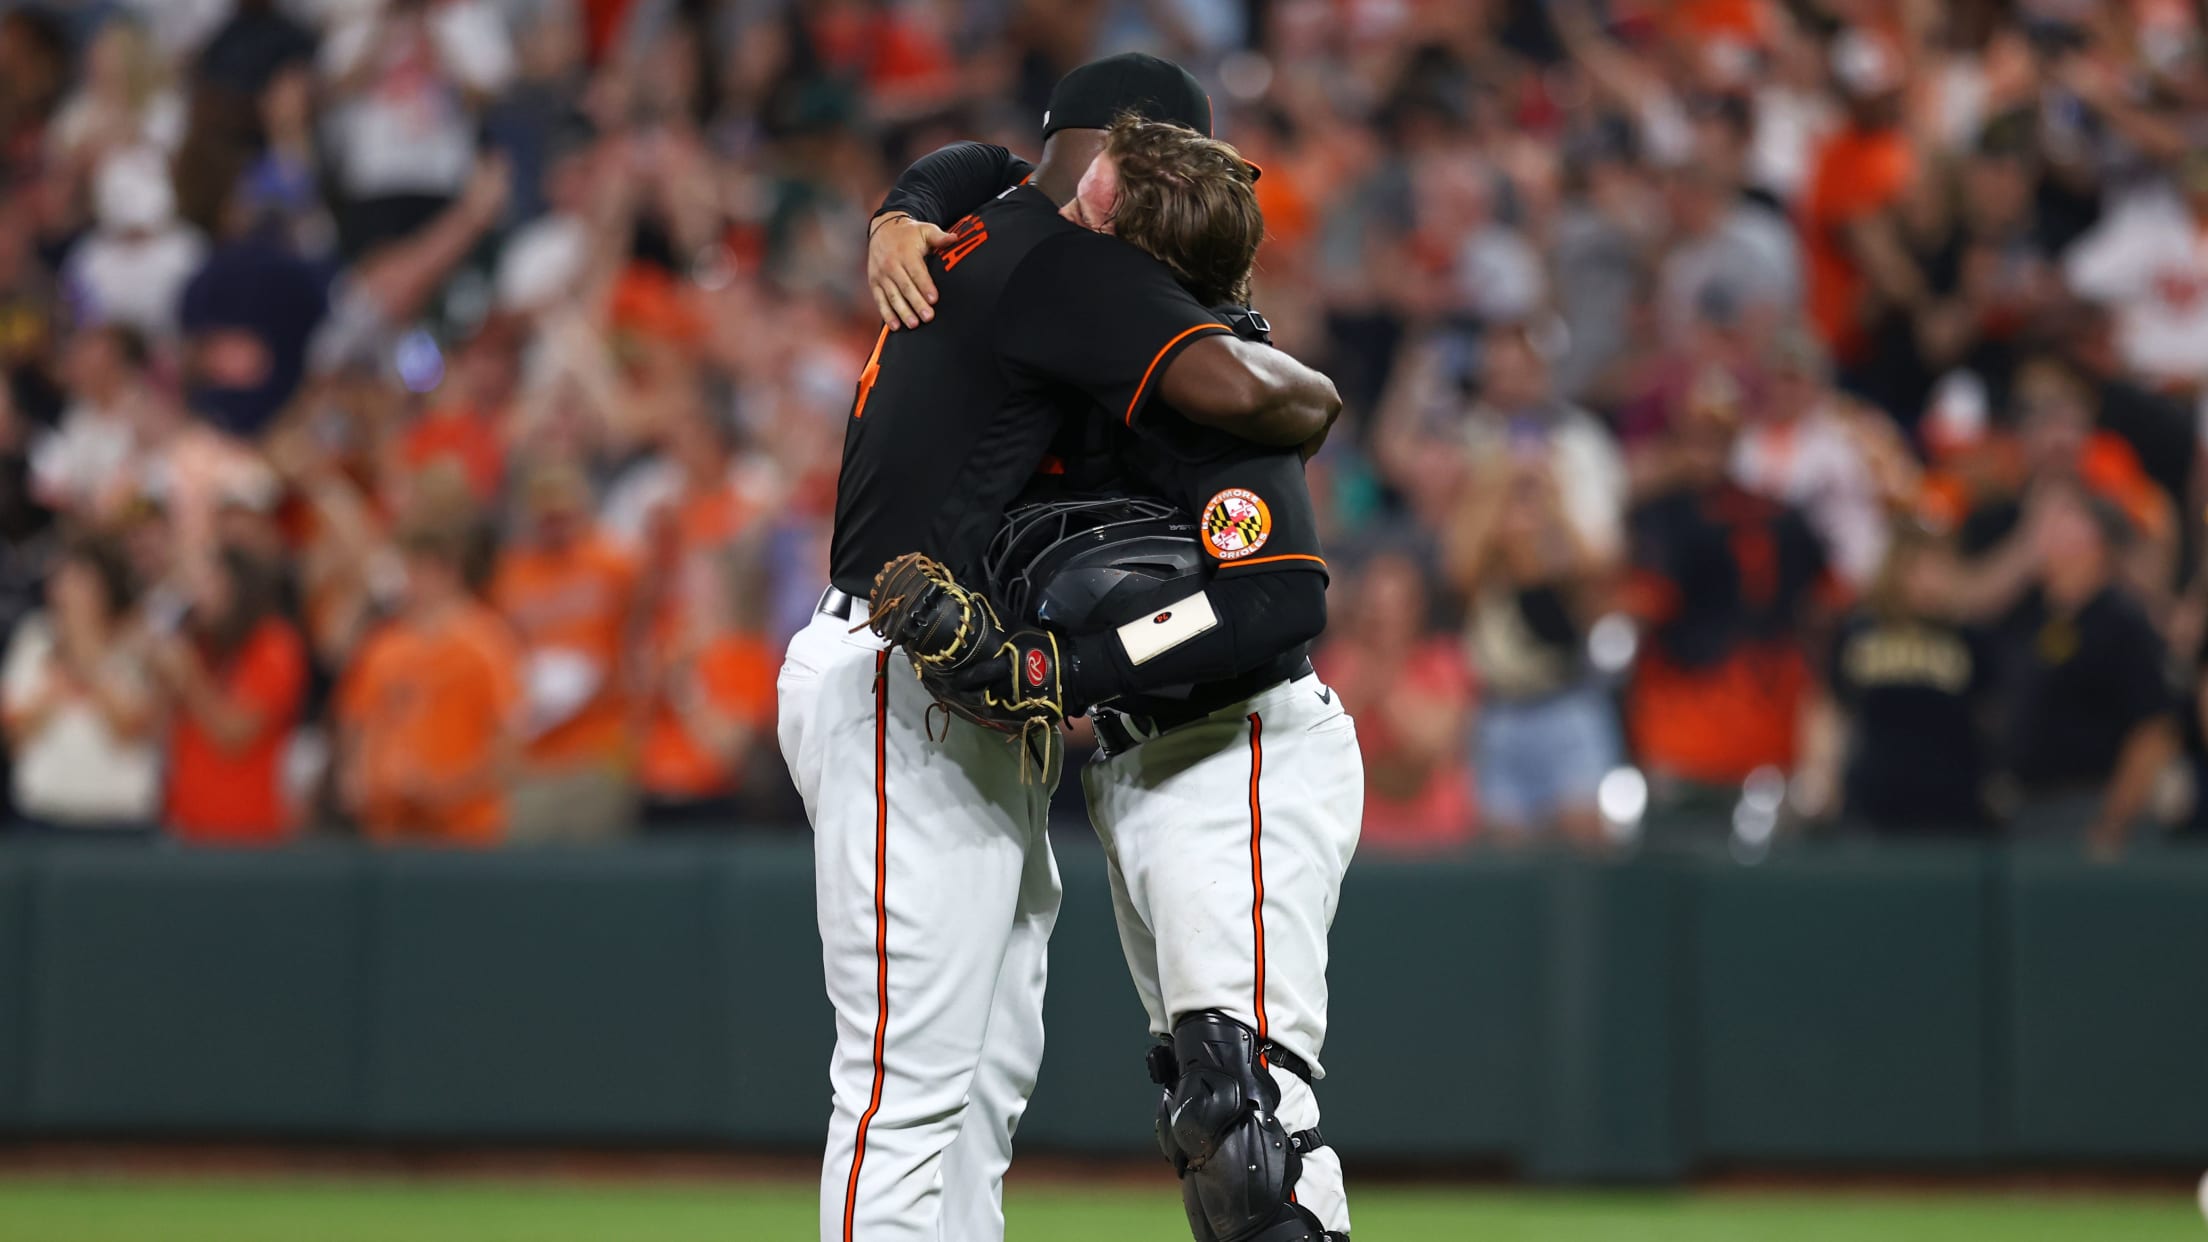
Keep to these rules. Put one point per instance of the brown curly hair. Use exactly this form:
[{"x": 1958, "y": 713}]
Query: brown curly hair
[{"x": 1187, "y": 201}]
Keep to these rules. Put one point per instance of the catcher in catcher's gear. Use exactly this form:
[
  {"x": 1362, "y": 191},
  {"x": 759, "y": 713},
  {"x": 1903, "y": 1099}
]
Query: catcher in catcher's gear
[
  {"x": 1225, "y": 766},
  {"x": 934, "y": 880}
]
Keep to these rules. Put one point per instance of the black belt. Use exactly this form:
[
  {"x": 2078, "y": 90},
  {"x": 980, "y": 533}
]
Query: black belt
[
  {"x": 1118, "y": 732},
  {"x": 836, "y": 605}
]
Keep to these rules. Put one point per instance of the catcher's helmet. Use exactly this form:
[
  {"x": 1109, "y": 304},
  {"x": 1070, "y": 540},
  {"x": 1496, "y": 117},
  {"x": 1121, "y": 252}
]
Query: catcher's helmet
[{"x": 1086, "y": 564}]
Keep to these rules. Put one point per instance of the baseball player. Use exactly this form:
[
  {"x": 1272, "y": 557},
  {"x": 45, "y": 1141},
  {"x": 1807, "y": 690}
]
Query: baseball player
[
  {"x": 936, "y": 890},
  {"x": 1228, "y": 789}
]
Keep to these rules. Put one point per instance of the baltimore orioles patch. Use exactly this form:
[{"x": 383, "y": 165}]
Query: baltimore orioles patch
[{"x": 1236, "y": 524}]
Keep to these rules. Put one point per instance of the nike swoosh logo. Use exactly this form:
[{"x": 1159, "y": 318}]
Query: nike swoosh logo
[{"x": 1326, "y": 696}]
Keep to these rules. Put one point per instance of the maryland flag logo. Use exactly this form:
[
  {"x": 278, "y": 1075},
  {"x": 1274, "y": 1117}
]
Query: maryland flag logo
[{"x": 1236, "y": 524}]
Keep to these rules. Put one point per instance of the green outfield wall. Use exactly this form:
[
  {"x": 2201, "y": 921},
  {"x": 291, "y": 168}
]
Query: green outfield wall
[{"x": 1830, "y": 1008}]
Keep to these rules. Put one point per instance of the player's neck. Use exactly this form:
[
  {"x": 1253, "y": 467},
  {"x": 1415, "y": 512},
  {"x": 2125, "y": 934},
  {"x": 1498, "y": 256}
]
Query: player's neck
[{"x": 1066, "y": 157}]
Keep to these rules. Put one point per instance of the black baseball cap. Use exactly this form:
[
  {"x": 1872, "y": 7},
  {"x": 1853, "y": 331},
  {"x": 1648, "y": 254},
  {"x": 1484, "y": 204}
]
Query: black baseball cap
[{"x": 1094, "y": 95}]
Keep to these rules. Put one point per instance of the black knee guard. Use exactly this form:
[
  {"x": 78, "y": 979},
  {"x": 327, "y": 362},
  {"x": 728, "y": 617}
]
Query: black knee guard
[{"x": 1217, "y": 1124}]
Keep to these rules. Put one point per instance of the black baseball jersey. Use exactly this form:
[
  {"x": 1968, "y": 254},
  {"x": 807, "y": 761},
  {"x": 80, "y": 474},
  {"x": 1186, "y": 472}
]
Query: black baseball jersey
[
  {"x": 1251, "y": 504},
  {"x": 950, "y": 420}
]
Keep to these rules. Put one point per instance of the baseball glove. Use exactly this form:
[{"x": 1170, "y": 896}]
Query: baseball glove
[{"x": 967, "y": 660}]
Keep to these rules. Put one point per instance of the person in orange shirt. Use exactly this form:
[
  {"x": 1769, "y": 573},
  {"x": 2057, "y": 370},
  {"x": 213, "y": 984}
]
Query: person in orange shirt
[
  {"x": 709, "y": 511},
  {"x": 467, "y": 424},
  {"x": 711, "y": 698},
  {"x": 1856, "y": 178},
  {"x": 234, "y": 678},
  {"x": 571, "y": 597},
  {"x": 1413, "y": 692},
  {"x": 430, "y": 713}
]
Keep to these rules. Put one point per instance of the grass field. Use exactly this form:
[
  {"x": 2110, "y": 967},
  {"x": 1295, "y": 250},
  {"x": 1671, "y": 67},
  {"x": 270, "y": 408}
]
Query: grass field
[{"x": 51, "y": 1209}]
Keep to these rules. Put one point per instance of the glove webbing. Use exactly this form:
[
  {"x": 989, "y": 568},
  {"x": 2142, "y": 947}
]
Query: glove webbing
[{"x": 931, "y": 571}]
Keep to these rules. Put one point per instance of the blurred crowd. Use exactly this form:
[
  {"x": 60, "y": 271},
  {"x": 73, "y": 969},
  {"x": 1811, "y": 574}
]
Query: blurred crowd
[{"x": 421, "y": 416}]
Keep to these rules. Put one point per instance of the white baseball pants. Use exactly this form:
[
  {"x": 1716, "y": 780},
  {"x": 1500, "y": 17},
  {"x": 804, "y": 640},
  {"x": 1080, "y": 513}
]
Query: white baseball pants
[
  {"x": 1226, "y": 841},
  {"x": 936, "y": 894}
]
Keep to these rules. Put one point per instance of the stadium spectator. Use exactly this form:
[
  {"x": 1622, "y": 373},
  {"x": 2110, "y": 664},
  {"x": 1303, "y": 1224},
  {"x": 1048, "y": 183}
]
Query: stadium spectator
[
  {"x": 234, "y": 679},
  {"x": 123, "y": 100},
  {"x": 432, "y": 711},
  {"x": 553, "y": 258},
  {"x": 2089, "y": 712},
  {"x": 1856, "y": 179},
  {"x": 471, "y": 418},
  {"x": 2054, "y": 444},
  {"x": 283, "y": 191},
  {"x": 1724, "y": 245},
  {"x": 1825, "y": 453},
  {"x": 1602, "y": 255},
  {"x": 1718, "y": 362},
  {"x": 34, "y": 72},
  {"x": 1533, "y": 544},
  {"x": 571, "y": 597},
  {"x": 1976, "y": 265},
  {"x": 405, "y": 80},
  {"x": 255, "y": 40},
  {"x": 85, "y": 467},
  {"x": 2141, "y": 261},
  {"x": 538, "y": 116},
  {"x": 247, "y": 316},
  {"x": 133, "y": 266},
  {"x": 79, "y": 702},
  {"x": 1725, "y": 581},
  {"x": 1896, "y": 741},
  {"x": 710, "y": 706},
  {"x": 1411, "y": 691}
]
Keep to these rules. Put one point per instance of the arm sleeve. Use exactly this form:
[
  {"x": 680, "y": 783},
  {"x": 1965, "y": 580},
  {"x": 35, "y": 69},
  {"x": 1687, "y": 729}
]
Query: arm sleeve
[
  {"x": 952, "y": 181},
  {"x": 1252, "y": 504},
  {"x": 1094, "y": 313},
  {"x": 1260, "y": 617},
  {"x": 1254, "y": 514}
]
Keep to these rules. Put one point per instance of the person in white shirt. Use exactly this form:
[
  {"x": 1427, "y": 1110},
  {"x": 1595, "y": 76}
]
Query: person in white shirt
[
  {"x": 89, "y": 460},
  {"x": 132, "y": 268},
  {"x": 1724, "y": 246},
  {"x": 125, "y": 99},
  {"x": 405, "y": 78},
  {"x": 77, "y": 701},
  {"x": 2147, "y": 261},
  {"x": 1841, "y": 462}
]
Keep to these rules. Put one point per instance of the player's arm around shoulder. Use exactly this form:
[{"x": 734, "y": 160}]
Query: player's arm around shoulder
[
  {"x": 1095, "y": 312},
  {"x": 1251, "y": 390},
  {"x": 936, "y": 190}
]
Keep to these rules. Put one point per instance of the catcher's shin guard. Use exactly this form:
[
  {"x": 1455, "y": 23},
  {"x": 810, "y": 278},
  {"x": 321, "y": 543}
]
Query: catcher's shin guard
[{"x": 1216, "y": 1123}]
